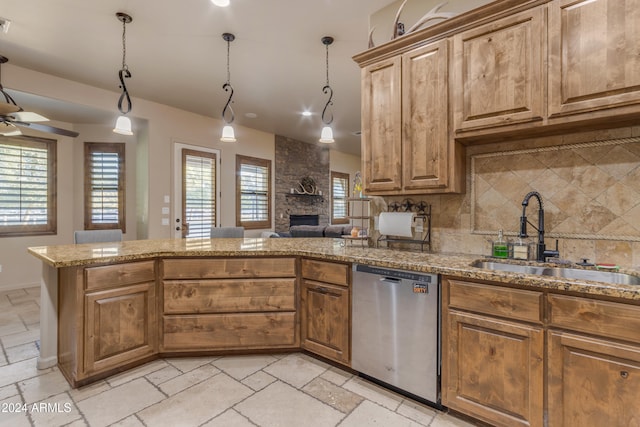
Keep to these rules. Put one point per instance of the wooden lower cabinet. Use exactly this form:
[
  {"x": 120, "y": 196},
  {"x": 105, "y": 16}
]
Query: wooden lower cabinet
[
  {"x": 120, "y": 326},
  {"x": 107, "y": 319},
  {"x": 593, "y": 362},
  {"x": 325, "y": 309},
  {"x": 592, "y": 382},
  {"x": 493, "y": 352},
  {"x": 325, "y": 320},
  {"x": 494, "y": 369},
  {"x": 229, "y": 304},
  {"x": 230, "y": 331}
]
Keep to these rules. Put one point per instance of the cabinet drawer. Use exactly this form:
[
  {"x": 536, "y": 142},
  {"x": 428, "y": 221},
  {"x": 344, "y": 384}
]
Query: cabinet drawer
[
  {"x": 230, "y": 331},
  {"x": 329, "y": 272},
  {"x": 201, "y": 268},
  {"x": 119, "y": 275},
  {"x": 227, "y": 296},
  {"x": 609, "y": 319},
  {"x": 515, "y": 304}
]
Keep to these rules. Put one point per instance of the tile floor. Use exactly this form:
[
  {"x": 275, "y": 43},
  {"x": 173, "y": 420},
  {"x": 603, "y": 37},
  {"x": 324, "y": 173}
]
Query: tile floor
[{"x": 262, "y": 390}]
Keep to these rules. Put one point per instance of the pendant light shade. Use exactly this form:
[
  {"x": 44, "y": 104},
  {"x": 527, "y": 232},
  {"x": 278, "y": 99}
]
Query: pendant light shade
[
  {"x": 228, "y": 134},
  {"x": 123, "y": 123},
  {"x": 327, "y": 133},
  {"x": 221, "y": 3},
  {"x": 123, "y": 126}
]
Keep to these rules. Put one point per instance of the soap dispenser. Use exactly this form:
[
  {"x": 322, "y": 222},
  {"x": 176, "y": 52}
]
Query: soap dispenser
[
  {"x": 521, "y": 249},
  {"x": 500, "y": 248}
]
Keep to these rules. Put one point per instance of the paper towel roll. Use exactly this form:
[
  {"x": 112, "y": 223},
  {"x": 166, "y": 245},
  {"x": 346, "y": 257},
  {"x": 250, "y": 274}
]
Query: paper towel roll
[{"x": 396, "y": 223}]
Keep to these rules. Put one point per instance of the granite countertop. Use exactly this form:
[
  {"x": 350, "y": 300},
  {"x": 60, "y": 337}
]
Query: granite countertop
[{"x": 325, "y": 248}]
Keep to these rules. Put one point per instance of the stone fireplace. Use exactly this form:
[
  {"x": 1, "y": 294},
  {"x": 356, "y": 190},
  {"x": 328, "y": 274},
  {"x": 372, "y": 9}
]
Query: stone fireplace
[
  {"x": 303, "y": 219},
  {"x": 295, "y": 160}
]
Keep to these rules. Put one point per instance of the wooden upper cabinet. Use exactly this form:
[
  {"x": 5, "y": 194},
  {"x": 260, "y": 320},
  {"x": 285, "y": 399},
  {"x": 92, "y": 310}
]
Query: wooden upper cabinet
[
  {"x": 425, "y": 124},
  {"x": 498, "y": 72},
  {"x": 381, "y": 126},
  {"x": 594, "y": 55},
  {"x": 406, "y": 146}
]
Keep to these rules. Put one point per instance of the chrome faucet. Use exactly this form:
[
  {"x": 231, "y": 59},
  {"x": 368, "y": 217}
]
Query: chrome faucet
[{"x": 543, "y": 253}]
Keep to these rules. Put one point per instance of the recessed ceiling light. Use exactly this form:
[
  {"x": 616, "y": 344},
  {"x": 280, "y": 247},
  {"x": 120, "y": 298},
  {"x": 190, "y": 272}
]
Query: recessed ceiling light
[
  {"x": 250, "y": 115},
  {"x": 221, "y": 3},
  {"x": 306, "y": 113}
]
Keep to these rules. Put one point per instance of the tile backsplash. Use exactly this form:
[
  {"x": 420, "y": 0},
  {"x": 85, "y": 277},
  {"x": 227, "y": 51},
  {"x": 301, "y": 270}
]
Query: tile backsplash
[{"x": 590, "y": 187}]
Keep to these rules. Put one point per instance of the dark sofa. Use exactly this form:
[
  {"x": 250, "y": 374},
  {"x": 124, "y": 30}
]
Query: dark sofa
[{"x": 317, "y": 231}]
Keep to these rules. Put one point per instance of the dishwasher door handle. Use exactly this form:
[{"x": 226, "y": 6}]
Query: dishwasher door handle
[{"x": 390, "y": 280}]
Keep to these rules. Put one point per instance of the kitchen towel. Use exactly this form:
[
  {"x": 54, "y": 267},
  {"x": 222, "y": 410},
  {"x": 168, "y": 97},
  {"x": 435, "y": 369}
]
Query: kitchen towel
[{"x": 396, "y": 223}]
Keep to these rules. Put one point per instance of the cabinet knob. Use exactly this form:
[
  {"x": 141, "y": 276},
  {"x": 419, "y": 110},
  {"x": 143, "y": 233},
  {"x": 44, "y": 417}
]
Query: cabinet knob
[{"x": 624, "y": 375}]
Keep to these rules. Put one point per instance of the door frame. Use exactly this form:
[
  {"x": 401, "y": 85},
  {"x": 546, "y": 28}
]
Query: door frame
[{"x": 177, "y": 183}]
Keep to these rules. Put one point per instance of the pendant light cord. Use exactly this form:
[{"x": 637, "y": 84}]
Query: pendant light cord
[
  {"x": 227, "y": 86},
  {"x": 124, "y": 73},
  {"x": 327, "y": 89}
]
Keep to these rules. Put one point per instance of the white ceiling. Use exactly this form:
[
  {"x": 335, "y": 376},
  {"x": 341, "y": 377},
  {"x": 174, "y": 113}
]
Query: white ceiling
[{"x": 177, "y": 56}]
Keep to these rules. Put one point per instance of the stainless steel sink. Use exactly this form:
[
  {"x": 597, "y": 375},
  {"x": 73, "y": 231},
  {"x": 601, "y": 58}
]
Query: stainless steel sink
[{"x": 561, "y": 272}]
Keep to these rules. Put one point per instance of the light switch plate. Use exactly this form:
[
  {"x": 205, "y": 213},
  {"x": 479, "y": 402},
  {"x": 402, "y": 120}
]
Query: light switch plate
[
  {"x": 167, "y": 199},
  {"x": 165, "y": 211},
  {"x": 165, "y": 221}
]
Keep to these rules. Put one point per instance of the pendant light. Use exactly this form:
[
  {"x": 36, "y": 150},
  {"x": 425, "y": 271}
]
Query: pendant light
[
  {"x": 327, "y": 133},
  {"x": 227, "y": 131},
  {"x": 123, "y": 124},
  {"x": 221, "y": 3}
]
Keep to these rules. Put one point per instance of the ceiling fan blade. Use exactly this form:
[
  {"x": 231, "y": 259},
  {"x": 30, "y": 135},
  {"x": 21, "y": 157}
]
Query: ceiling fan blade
[
  {"x": 47, "y": 128},
  {"x": 9, "y": 129},
  {"x": 28, "y": 116},
  {"x": 6, "y": 108}
]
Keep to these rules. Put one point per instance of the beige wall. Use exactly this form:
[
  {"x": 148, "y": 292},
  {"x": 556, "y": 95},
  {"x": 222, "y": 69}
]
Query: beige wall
[
  {"x": 149, "y": 165},
  {"x": 345, "y": 163}
]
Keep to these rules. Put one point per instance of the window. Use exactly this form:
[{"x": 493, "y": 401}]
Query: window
[
  {"x": 339, "y": 194},
  {"x": 27, "y": 186},
  {"x": 198, "y": 193},
  {"x": 104, "y": 185},
  {"x": 253, "y": 197}
]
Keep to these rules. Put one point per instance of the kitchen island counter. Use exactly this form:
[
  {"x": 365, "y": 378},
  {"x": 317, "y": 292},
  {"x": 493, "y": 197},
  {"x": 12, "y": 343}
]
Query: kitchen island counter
[{"x": 459, "y": 265}]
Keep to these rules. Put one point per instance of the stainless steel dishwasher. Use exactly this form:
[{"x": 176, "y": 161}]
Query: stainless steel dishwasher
[{"x": 396, "y": 329}]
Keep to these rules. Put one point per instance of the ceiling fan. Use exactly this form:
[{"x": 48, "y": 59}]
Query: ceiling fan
[{"x": 12, "y": 116}]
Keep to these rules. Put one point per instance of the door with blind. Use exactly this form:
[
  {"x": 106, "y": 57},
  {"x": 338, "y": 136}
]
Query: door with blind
[{"x": 196, "y": 190}]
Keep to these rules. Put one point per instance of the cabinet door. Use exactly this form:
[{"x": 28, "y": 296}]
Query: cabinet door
[
  {"x": 493, "y": 369},
  {"x": 381, "y": 126},
  {"x": 498, "y": 72},
  {"x": 592, "y": 382},
  {"x": 120, "y": 326},
  {"x": 593, "y": 55},
  {"x": 425, "y": 106},
  {"x": 325, "y": 320}
]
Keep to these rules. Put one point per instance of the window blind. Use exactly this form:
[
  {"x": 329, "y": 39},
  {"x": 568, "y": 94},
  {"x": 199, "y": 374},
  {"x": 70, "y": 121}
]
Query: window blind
[
  {"x": 199, "y": 193},
  {"x": 104, "y": 186},
  {"x": 339, "y": 194},
  {"x": 26, "y": 186},
  {"x": 254, "y": 192}
]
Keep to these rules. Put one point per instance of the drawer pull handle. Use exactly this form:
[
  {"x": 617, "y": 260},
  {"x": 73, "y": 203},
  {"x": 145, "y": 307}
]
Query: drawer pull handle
[
  {"x": 624, "y": 375},
  {"x": 322, "y": 290}
]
